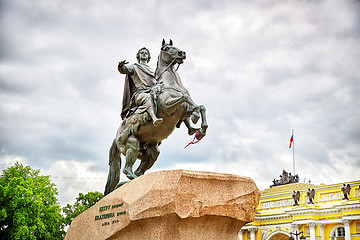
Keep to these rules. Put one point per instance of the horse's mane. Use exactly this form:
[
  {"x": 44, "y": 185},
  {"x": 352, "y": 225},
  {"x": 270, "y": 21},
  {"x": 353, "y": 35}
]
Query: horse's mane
[{"x": 157, "y": 70}]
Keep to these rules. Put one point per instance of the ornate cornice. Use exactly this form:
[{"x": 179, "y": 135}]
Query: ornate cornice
[
  {"x": 350, "y": 206},
  {"x": 311, "y": 210},
  {"x": 325, "y": 211},
  {"x": 272, "y": 217},
  {"x": 303, "y": 211}
]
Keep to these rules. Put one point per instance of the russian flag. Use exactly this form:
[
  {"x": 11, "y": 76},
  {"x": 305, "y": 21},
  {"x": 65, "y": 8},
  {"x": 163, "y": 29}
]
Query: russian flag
[{"x": 291, "y": 140}]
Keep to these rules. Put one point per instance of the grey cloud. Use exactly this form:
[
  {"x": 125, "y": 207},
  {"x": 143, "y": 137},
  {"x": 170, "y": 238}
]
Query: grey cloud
[{"x": 260, "y": 68}]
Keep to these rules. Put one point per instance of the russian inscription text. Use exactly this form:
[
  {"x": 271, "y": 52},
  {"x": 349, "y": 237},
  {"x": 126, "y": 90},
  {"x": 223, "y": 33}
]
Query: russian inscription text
[{"x": 110, "y": 214}]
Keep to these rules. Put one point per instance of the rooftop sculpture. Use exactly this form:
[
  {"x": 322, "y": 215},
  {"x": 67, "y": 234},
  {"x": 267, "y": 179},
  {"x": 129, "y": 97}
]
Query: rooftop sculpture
[
  {"x": 311, "y": 195},
  {"x": 346, "y": 191},
  {"x": 285, "y": 178},
  {"x": 296, "y": 197}
]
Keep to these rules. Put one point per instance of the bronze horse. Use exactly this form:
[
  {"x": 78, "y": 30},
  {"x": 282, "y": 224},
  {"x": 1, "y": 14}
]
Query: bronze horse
[{"x": 138, "y": 138}]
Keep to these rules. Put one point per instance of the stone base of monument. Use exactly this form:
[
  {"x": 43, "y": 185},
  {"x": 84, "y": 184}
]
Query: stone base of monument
[{"x": 178, "y": 204}]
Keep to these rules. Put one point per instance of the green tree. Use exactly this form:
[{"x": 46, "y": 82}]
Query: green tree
[
  {"x": 29, "y": 208},
  {"x": 83, "y": 202}
]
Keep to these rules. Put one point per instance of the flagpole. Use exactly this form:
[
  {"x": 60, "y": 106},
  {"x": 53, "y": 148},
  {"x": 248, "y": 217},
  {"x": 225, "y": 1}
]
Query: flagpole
[{"x": 293, "y": 145}]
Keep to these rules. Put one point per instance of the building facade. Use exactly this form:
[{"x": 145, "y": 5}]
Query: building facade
[{"x": 323, "y": 212}]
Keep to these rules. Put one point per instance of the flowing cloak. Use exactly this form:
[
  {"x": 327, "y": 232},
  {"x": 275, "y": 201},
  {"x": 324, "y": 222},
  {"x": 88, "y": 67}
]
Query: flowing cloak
[{"x": 140, "y": 80}]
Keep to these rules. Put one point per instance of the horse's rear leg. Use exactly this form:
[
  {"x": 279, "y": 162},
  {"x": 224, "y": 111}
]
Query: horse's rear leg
[
  {"x": 114, "y": 169},
  {"x": 148, "y": 159},
  {"x": 133, "y": 147}
]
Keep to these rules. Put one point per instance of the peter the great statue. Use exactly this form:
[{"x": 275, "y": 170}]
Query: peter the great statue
[{"x": 154, "y": 103}]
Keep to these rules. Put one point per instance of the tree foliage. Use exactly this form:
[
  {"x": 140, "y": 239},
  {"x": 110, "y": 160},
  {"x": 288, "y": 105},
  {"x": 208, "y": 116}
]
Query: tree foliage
[
  {"x": 29, "y": 208},
  {"x": 83, "y": 202}
]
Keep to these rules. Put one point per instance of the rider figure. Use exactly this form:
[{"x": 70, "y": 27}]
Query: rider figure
[{"x": 137, "y": 90}]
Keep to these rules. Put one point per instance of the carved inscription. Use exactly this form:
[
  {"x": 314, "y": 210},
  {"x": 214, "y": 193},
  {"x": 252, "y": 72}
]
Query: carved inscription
[
  {"x": 275, "y": 204},
  {"x": 104, "y": 216},
  {"x": 114, "y": 213},
  {"x": 331, "y": 196}
]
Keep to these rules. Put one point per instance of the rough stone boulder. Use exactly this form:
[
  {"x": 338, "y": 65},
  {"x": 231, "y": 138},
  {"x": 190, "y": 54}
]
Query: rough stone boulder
[{"x": 177, "y": 204}]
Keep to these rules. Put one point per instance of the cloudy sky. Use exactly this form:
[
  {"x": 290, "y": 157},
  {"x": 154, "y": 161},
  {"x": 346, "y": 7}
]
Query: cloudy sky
[{"x": 261, "y": 68}]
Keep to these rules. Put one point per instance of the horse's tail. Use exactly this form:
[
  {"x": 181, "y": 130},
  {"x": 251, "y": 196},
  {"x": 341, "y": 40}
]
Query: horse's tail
[{"x": 114, "y": 169}]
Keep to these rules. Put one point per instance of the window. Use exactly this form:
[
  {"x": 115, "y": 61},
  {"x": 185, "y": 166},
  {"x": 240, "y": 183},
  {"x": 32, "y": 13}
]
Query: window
[{"x": 338, "y": 234}]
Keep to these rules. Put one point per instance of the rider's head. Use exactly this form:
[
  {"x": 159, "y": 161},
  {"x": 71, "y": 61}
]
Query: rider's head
[{"x": 141, "y": 51}]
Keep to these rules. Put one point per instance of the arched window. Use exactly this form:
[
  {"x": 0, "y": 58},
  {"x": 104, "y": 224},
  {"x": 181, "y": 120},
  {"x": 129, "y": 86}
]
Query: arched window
[
  {"x": 337, "y": 233},
  {"x": 278, "y": 235}
]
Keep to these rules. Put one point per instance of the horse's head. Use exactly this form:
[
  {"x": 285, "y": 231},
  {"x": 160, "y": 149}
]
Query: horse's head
[{"x": 170, "y": 54}]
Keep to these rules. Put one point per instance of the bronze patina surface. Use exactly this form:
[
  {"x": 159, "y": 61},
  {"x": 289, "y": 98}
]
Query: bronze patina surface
[{"x": 154, "y": 104}]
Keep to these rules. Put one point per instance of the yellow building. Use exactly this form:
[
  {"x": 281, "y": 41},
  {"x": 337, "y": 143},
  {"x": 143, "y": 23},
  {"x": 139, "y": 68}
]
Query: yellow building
[{"x": 328, "y": 217}]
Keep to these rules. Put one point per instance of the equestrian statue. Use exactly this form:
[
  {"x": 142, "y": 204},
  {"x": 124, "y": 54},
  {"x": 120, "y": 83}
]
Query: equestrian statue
[{"x": 154, "y": 103}]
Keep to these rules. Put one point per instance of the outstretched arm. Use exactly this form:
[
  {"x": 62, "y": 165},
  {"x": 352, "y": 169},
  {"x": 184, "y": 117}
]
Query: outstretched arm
[{"x": 122, "y": 68}]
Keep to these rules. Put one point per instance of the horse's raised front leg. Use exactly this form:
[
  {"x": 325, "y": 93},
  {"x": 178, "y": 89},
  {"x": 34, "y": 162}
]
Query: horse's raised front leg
[
  {"x": 191, "y": 129},
  {"x": 204, "y": 125},
  {"x": 132, "y": 147},
  {"x": 194, "y": 109}
]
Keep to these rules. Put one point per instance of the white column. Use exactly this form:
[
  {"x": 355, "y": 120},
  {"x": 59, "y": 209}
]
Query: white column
[
  {"x": 347, "y": 229},
  {"x": 241, "y": 232},
  {"x": 312, "y": 230},
  {"x": 252, "y": 233},
  {"x": 322, "y": 233}
]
